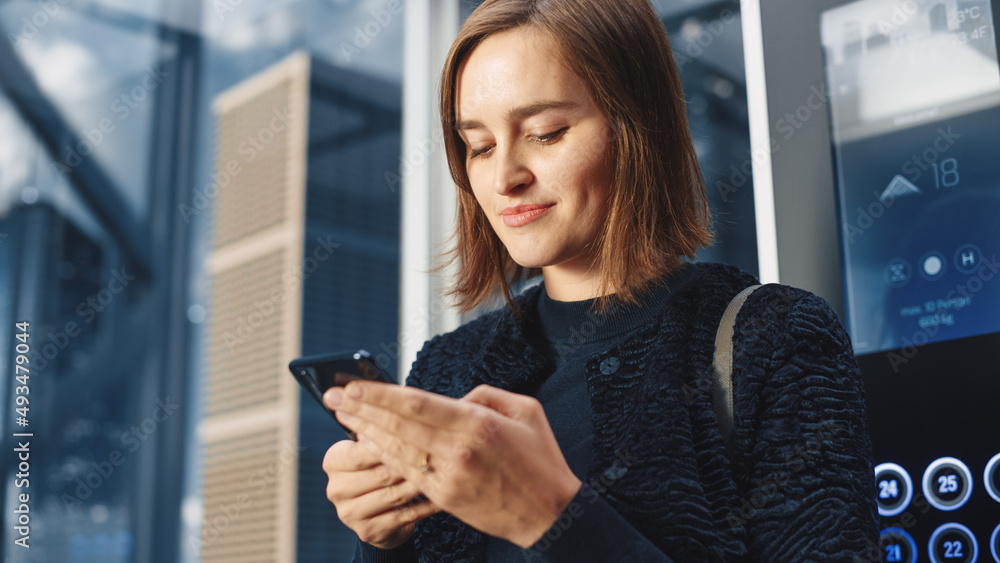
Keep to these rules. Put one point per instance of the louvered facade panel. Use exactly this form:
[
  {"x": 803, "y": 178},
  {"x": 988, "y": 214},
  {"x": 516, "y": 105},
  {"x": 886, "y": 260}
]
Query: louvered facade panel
[
  {"x": 254, "y": 135},
  {"x": 245, "y": 355},
  {"x": 241, "y": 498},
  {"x": 251, "y": 416},
  {"x": 281, "y": 239}
]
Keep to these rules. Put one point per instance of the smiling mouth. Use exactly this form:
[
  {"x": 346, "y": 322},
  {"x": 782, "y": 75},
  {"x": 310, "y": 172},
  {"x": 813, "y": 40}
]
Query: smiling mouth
[{"x": 521, "y": 215}]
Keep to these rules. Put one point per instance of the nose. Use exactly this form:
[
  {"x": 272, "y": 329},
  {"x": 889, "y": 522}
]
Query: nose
[{"x": 511, "y": 173}]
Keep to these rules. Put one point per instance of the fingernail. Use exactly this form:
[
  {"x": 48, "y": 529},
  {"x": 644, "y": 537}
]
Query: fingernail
[{"x": 333, "y": 398}]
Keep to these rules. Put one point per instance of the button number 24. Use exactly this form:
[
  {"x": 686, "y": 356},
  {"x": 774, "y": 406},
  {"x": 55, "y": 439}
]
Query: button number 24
[{"x": 888, "y": 489}]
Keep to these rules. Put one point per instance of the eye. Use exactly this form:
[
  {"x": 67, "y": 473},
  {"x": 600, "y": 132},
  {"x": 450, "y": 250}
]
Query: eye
[
  {"x": 474, "y": 153},
  {"x": 551, "y": 137}
]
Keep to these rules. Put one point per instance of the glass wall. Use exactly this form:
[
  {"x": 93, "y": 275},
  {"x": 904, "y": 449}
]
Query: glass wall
[
  {"x": 707, "y": 41},
  {"x": 109, "y": 181},
  {"x": 78, "y": 90}
]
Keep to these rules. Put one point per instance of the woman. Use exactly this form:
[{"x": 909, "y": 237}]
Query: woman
[{"x": 575, "y": 424}]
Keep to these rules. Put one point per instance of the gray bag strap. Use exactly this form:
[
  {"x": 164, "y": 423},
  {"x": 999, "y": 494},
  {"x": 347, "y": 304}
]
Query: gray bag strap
[{"x": 722, "y": 401}]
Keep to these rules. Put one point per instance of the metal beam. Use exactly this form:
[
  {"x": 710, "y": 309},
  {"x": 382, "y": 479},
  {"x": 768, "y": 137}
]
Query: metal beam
[
  {"x": 428, "y": 195},
  {"x": 159, "y": 487},
  {"x": 92, "y": 183}
]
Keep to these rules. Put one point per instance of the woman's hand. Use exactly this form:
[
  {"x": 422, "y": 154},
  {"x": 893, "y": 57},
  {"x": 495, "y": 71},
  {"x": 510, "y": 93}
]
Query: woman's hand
[
  {"x": 492, "y": 460},
  {"x": 372, "y": 499}
]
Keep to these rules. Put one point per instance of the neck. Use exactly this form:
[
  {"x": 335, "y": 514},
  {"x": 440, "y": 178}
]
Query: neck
[{"x": 564, "y": 283}]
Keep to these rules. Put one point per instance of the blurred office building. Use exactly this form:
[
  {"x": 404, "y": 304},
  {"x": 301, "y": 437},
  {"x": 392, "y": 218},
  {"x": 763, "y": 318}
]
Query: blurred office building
[
  {"x": 94, "y": 264},
  {"x": 305, "y": 261}
]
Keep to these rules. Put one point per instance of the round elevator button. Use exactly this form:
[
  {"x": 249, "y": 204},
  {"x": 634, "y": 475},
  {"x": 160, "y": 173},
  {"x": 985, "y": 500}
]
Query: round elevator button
[
  {"x": 894, "y": 489},
  {"x": 992, "y": 477},
  {"x": 947, "y": 483},
  {"x": 995, "y": 543},
  {"x": 897, "y": 545},
  {"x": 953, "y": 543}
]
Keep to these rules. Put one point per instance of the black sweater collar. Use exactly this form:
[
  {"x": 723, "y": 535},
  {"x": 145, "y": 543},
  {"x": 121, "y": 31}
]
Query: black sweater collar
[
  {"x": 576, "y": 322},
  {"x": 509, "y": 361}
]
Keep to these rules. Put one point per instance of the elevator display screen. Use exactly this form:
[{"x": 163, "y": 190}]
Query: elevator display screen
[
  {"x": 914, "y": 91},
  {"x": 914, "y": 100}
]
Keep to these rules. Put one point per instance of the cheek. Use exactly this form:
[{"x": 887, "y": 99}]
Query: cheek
[
  {"x": 479, "y": 188},
  {"x": 482, "y": 200},
  {"x": 483, "y": 196},
  {"x": 589, "y": 179},
  {"x": 564, "y": 173},
  {"x": 584, "y": 166},
  {"x": 597, "y": 185}
]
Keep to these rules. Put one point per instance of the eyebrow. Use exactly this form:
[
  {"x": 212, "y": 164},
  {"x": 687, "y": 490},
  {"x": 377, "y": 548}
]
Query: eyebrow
[{"x": 519, "y": 113}]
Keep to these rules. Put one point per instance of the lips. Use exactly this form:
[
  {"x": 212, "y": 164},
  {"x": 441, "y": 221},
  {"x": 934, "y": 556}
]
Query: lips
[{"x": 521, "y": 215}]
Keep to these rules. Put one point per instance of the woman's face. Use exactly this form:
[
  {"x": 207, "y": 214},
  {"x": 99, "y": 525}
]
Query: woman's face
[{"x": 537, "y": 152}]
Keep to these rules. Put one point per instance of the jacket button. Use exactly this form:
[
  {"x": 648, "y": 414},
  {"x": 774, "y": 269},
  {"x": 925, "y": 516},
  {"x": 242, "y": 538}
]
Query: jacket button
[
  {"x": 615, "y": 472},
  {"x": 610, "y": 365}
]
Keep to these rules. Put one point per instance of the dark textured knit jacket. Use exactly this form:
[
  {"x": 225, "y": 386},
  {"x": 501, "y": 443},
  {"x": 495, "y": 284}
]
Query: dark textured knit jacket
[{"x": 798, "y": 486}]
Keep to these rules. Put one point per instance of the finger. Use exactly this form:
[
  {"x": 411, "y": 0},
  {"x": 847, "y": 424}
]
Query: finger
[
  {"x": 407, "y": 462},
  {"x": 398, "y": 448},
  {"x": 354, "y": 484},
  {"x": 405, "y": 514},
  {"x": 511, "y": 405},
  {"x": 380, "y": 501},
  {"x": 371, "y": 502},
  {"x": 409, "y": 402},
  {"x": 399, "y": 496},
  {"x": 347, "y": 455},
  {"x": 390, "y": 431}
]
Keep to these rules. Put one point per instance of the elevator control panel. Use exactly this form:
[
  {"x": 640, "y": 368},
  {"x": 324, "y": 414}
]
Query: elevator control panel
[{"x": 913, "y": 92}]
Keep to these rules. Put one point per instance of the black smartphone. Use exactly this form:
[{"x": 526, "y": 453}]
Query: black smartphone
[{"x": 318, "y": 373}]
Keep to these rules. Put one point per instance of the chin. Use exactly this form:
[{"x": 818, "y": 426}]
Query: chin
[
  {"x": 529, "y": 264},
  {"x": 528, "y": 260}
]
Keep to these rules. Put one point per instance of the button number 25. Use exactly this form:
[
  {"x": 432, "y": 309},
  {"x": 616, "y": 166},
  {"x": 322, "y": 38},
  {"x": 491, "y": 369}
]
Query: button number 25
[{"x": 948, "y": 484}]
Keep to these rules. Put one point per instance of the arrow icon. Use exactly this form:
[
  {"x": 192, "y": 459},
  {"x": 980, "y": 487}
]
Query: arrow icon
[{"x": 899, "y": 186}]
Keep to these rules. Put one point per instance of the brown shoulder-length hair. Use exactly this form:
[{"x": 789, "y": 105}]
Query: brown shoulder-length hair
[{"x": 657, "y": 211}]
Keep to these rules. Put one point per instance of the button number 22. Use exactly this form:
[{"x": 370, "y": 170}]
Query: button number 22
[{"x": 952, "y": 549}]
